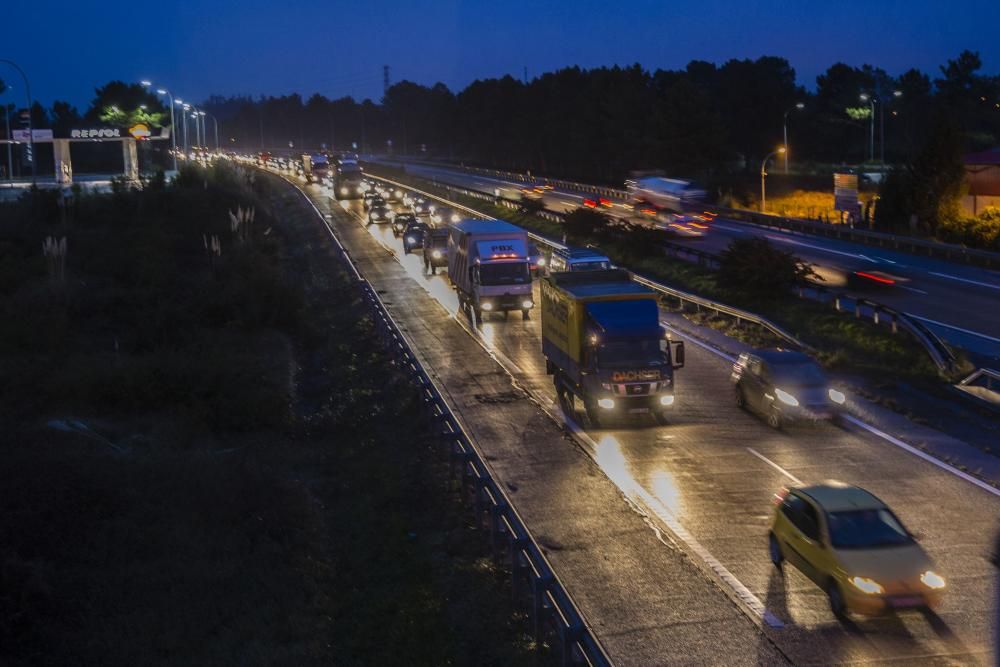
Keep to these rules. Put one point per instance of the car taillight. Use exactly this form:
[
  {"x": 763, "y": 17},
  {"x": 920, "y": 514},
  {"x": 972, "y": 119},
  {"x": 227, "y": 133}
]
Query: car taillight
[
  {"x": 780, "y": 496},
  {"x": 590, "y": 203}
]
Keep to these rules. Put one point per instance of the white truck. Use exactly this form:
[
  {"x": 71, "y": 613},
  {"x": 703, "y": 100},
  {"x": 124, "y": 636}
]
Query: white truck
[
  {"x": 488, "y": 264},
  {"x": 664, "y": 194}
]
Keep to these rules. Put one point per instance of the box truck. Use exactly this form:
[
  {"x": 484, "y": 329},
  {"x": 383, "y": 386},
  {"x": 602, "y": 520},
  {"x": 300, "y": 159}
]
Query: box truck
[{"x": 488, "y": 264}]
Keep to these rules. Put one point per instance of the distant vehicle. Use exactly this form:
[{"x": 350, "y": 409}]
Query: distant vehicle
[
  {"x": 853, "y": 547},
  {"x": 874, "y": 280},
  {"x": 349, "y": 181},
  {"x": 413, "y": 236},
  {"x": 785, "y": 386},
  {"x": 374, "y": 201},
  {"x": 603, "y": 343},
  {"x": 442, "y": 215},
  {"x": 488, "y": 264},
  {"x": 578, "y": 259},
  {"x": 379, "y": 213},
  {"x": 263, "y": 157},
  {"x": 316, "y": 166},
  {"x": 435, "y": 249},
  {"x": 368, "y": 197},
  {"x": 394, "y": 194},
  {"x": 400, "y": 221},
  {"x": 684, "y": 224},
  {"x": 421, "y": 208},
  {"x": 536, "y": 259},
  {"x": 664, "y": 194}
]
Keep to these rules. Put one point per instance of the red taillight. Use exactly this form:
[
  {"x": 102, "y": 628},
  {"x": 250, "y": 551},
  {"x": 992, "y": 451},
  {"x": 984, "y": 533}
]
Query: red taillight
[
  {"x": 878, "y": 279},
  {"x": 780, "y": 496},
  {"x": 590, "y": 203},
  {"x": 649, "y": 211},
  {"x": 606, "y": 202}
]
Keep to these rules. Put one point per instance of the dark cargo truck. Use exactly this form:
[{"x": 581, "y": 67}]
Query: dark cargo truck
[{"x": 603, "y": 344}]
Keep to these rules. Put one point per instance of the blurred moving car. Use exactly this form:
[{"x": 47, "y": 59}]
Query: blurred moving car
[
  {"x": 537, "y": 260},
  {"x": 442, "y": 215},
  {"x": 413, "y": 236},
  {"x": 400, "y": 221},
  {"x": 421, "y": 209},
  {"x": 379, "y": 213},
  {"x": 785, "y": 386},
  {"x": 578, "y": 259},
  {"x": 852, "y": 545},
  {"x": 435, "y": 249}
]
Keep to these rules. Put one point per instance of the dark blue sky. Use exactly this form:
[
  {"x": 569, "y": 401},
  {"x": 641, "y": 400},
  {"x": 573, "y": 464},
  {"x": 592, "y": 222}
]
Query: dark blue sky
[{"x": 338, "y": 48}]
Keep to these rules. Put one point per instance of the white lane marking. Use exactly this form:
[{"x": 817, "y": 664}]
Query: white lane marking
[
  {"x": 926, "y": 457},
  {"x": 735, "y": 230},
  {"x": 965, "y": 280},
  {"x": 636, "y": 492},
  {"x": 781, "y": 239},
  {"x": 774, "y": 465},
  {"x": 871, "y": 429},
  {"x": 952, "y": 326},
  {"x": 911, "y": 289}
]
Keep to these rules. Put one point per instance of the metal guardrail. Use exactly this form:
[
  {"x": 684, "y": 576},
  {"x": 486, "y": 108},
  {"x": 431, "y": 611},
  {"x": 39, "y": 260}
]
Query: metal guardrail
[
  {"x": 946, "y": 251},
  {"x": 880, "y": 314},
  {"x": 555, "y": 617}
]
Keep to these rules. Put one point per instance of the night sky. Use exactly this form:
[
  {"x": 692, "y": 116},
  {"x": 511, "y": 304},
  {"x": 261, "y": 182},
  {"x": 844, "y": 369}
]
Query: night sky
[{"x": 338, "y": 48}]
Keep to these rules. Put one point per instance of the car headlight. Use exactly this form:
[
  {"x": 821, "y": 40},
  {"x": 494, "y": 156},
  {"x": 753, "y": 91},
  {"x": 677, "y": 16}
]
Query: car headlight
[
  {"x": 867, "y": 585},
  {"x": 541, "y": 261},
  {"x": 606, "y": 403},
  {"x": 605, "y": 386},
  {"x": 667, "y": 400},
  {"x": 343, "y": 191},
  {"x": 932, "y": 579},
  {"x": 436, "y": 254},
  {"x": 527, "y": 303},
  {"x": 455, "y": 217},
  {"x": 410, "y": 239},
  {"x": 837, "y": 396},
  {"x": 786, "y": 398},
  {"x": 487, "y": 306}
]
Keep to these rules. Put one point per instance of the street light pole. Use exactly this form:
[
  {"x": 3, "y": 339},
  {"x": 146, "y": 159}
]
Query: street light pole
[
  {"x": 173, "y": 123},
  {"x": 215, "y": 122},
  {"x": 763, "y": 175},
  {"x": 784, "y": 127},
  {"x": 31, "y": 130},
  {"x": 185, "y": 108}
]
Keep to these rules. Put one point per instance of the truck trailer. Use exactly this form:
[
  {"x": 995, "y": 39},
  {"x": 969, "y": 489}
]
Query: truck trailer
[
  {"x": 488, "y": 264},
  {"x": 603, "y": 344}
]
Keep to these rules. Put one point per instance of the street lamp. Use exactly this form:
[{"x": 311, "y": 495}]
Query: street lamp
[
  {"x": 800, "y": 106},
  {"x": 763, "y": 175},
  {"x": 173, "y": 126},
  {"x": 185, "y": 108},
  {"x": 31, "y": 130},
  {"x": 865, "y": 97}
]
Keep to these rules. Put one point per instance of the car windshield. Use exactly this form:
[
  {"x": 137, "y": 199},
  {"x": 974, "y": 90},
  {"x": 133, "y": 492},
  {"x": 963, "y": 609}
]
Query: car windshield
[
  {"x": 512, "y": 273},
  {"x": 589, "y": 266},
  {"x": 402, "y": 220},
  {"x": 439, "y": 241},
  {"x": 643, "y": 352},
  {"x": 866, "y": 529},
  {"x": 417, "y": 229},
  {"x": 805, "y": 374}
]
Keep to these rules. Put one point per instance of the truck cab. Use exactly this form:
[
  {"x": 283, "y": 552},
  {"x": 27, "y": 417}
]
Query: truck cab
[{"x": 603, "y": 343}]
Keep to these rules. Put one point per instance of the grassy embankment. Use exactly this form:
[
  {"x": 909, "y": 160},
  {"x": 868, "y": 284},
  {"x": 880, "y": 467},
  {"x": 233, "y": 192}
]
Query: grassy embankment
[
  {"x": 210, "y": 460},
  {"x": 844, "y": 343}
]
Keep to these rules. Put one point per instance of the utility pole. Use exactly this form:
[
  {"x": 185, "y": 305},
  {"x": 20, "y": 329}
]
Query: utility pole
[{"x": 385, "y": 79}]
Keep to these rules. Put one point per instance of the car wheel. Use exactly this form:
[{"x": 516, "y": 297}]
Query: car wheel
[
  {"x": 406, "y": 250},
  {"x": 592, "y": 414},
  {"x": 741, "y": 399},
  {"x": 661, "y": 417},
  {"x": 434, "y": 270},
  {"x": 525, "y": 315},
  {"x": 836, "y": 598},
  {"x": 774, "y": 420},
  {"x": 777, "y": 558}
]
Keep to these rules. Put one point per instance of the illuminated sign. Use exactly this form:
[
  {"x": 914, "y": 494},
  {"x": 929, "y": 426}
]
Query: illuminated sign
[
  {"x": 96, "y": 133},
  {"x": 140, "y": 131}
]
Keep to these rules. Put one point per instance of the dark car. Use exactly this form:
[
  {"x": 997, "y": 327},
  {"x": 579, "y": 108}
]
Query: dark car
[
  {"x": 413, "y": 236},
  {"x": 435, "y": 249},
  {"x": 400, "y": 222},
  {"x": 372, "y": 199},
  {"x": 785, "y": 386},
  {"x": 379, "y": 213},
  {"x": 443, "y": 216}
]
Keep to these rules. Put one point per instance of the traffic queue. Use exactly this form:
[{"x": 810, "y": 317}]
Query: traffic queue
[{"x": 604, "y": 345}]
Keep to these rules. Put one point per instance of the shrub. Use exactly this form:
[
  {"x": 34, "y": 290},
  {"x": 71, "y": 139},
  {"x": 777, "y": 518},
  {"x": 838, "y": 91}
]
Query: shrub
[{"x": 754, "y": 266}]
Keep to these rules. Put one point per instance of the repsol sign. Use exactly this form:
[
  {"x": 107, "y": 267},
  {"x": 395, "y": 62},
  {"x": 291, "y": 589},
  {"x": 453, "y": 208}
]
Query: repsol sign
[{"x": 96, "y": 133}]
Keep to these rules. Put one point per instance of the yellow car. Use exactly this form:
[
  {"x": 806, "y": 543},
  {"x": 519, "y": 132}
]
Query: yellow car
[{"x": 851, "y": 545}]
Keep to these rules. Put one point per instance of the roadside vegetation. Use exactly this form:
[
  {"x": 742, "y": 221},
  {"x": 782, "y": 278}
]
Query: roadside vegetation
[
  {"x": 842, "y": 342},
  {"x": 207, "y": 457}
]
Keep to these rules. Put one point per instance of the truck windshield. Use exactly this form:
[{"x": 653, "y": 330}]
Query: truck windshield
[
  {"x": 514, "y": 273},
  {"x": 643, "y": 352},
  {"x": 590, "y": 266}
]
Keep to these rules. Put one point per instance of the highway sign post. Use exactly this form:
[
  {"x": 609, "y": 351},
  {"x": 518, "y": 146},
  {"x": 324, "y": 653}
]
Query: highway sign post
[{"x": 845, "y": 195}]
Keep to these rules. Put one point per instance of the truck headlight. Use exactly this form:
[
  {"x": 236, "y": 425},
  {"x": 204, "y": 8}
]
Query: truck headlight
[
  {"x": 527, "y": 303},
  {"x": 786, "y": 398},
  {"x": 606, "y": 403},
  {"x": 541, "y": 261},
  {"x": 666, "y": 400},
  {"x": 837, "y": 396},
  {"x": 343, "y": 191},
  {"x": 436, "y": 254},
  {"x": 486, "y": 306},
  {"x": 931, "y": 579}
]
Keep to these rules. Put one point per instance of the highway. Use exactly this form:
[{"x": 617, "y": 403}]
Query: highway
[
  {"x": 660, "y": 532},
  {"x": 958, "y": 302}
]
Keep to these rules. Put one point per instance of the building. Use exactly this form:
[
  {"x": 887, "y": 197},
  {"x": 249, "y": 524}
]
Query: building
[{"x": 982, "y": 175}]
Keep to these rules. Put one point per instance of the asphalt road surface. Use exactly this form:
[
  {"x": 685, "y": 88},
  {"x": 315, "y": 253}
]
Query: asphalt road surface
[{"x": 706, "y": 593}]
